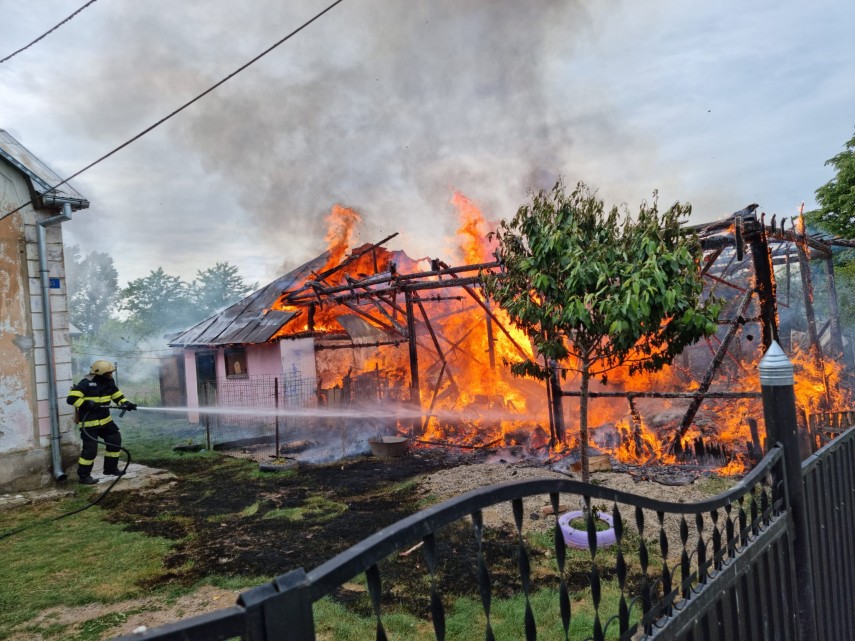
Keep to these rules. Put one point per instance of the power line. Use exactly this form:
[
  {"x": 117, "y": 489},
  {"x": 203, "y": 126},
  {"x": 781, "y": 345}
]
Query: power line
[
  {"x": 47, "y": 33},
  {"x": 182, "y": 107}
]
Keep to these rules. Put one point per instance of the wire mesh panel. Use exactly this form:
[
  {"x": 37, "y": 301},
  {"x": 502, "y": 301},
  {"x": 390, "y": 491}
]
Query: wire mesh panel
[{"x": 257, "y": 404}]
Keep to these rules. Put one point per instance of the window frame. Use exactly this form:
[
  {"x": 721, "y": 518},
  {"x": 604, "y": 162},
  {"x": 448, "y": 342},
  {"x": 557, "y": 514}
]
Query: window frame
[{"x": 234, "y": 355}]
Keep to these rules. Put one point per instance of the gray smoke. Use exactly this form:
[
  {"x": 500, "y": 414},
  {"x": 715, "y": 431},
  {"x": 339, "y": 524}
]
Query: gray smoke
[
  {"x": 387, "y": 107},
  {"x": 389, "y": 115}
]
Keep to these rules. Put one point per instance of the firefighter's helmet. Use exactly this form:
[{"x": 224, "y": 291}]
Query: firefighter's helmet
[{"x": 102, "y": 367}]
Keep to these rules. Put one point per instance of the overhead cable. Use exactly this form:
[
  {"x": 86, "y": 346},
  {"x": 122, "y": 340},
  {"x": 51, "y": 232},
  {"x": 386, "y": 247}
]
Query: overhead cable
[
  {"x": 182, "y": 107},
  {"x": 46, "y": 33}
]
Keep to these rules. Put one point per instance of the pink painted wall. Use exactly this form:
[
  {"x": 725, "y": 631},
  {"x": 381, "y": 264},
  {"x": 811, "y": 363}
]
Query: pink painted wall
[
  {"x": 260, "y": 360},
  {"x": 263, "y": 359},
  {"x": 190, "y": 382}
]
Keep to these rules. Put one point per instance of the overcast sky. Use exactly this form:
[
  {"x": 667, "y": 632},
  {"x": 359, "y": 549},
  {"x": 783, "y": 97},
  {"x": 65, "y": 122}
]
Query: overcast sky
[{"x": 388, "y": 107}]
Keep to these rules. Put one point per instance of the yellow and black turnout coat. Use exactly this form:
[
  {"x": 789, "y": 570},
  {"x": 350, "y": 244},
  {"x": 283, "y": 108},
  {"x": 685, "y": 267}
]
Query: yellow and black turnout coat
[
  {"x": 102, "y": 391},
  {"x": 95, "y": 422}
]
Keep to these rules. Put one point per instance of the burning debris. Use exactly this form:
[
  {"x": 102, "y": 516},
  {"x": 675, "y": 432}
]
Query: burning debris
[{"x": 419, "y": 339}]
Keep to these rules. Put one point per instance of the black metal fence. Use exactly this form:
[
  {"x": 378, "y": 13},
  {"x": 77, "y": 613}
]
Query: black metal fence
[
  {"x": 770, "y": 558},
  {"x": 829, "y": 483}
]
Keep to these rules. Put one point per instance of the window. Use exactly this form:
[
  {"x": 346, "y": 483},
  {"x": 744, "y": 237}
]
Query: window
[{"x": 236, "y": 363}]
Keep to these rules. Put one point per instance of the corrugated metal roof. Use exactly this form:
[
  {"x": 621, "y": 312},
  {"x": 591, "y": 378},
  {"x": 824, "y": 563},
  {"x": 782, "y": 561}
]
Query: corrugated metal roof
[
  {"x": 41, "y": 176},
  {"x": 251, "y": 320}
]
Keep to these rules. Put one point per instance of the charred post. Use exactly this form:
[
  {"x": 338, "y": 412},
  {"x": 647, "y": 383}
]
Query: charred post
[
  {"x": 833, "y": 310},
  {"x": 764, "y": 279},
  {"x": 414, "y": 353},
  {"x": 708, "y": 377}
]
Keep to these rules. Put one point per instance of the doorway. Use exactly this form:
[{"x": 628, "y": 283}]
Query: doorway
[{"x": 206, "y": 377}]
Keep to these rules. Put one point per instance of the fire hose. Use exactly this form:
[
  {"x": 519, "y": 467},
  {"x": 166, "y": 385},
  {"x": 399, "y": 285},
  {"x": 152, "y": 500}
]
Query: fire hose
[{"x": 97, "y": 500}]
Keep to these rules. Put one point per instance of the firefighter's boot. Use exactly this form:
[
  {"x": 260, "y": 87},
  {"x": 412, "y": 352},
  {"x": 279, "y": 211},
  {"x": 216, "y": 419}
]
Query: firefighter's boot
[{"x": 111, "y": 462}]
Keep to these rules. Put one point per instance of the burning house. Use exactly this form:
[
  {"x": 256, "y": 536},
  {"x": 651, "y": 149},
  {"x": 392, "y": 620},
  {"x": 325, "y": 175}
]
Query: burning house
[{"x": 373, "y": 328}]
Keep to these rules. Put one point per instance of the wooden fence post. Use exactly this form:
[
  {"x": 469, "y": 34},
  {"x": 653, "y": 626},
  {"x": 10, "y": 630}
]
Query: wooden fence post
[{"x": 779, "y": 412}]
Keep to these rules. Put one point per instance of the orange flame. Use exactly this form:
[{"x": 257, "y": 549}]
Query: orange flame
[
  {"x": 473, "y": 230},
  {"x": 340, "y": 225},
  {"x": 465, "y": 370}
]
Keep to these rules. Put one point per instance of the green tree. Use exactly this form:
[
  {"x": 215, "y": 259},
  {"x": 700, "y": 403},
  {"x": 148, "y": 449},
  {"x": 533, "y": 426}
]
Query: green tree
[
  {"x": 93, "y": 287},
  {"x": 836, "y": 198},
  {"x": 157, "y": 303},
  {"x": 594, "y": 290},
  {"x": 218, "y": 287}
]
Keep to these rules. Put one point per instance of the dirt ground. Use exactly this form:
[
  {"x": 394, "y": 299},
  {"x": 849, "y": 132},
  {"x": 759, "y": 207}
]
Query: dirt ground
[{"x": 226, "y": 520}]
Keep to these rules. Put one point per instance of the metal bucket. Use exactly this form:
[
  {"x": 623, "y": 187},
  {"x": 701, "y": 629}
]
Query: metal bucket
[{"x": 388, "y": 446}]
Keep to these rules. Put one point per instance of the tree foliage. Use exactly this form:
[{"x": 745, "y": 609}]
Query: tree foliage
[
  {"x": 92, "y": 283},
  {"x": 595, "y": 289},
  {"x": 218, "y": 287},
  {"x": 836, "y": 198},
  {"x": 157, "y": 303}
]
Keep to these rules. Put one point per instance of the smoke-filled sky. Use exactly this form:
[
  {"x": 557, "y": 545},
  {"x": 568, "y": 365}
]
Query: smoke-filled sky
[{"x": 389, "y": 107}]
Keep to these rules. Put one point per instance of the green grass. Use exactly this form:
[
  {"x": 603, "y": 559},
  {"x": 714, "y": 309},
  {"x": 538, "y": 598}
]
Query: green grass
[
  {"x": 72, "y": 562},
  {"x": 151, "y": 441},
  {"x": 465, "y": 618},
  {"x": 83, "y": 560},
  {"x": 315, "y": 507}
]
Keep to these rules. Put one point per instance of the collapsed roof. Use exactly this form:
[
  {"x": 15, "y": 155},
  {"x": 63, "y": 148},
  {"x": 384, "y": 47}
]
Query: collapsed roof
[{"x": 251, "y": 320}]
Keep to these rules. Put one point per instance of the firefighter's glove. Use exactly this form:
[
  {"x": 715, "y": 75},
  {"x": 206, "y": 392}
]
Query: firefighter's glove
[{"x": 127, "y": 405}]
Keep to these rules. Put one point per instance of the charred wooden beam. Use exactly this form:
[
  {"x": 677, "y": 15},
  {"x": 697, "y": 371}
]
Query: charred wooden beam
[
  {"x": 380, "y": 280},
  {"x": 633, "y": 395},
  {"x": 459, "y": 446},
  {"x": 710, "y": 260},
  {"x": 764, "y": 279},
  {"x": 491, "y": 348},
  {"x": 807, "y": 297},
  {"x": 436, "y": 346},
  {"x": 714, "y": 365},
  {"x": 458, "y": 281},
  {"x": 833, "y": 309},
  {"x": 354, "y": 257},
  {"x": 326, "y": 274},
  {"x": 725, "y": 282},
  {"x": 429, "y": 414},
  {"x": 823, "y": 250},
  {"x": 438, "y": 298},
  {"x": 415, "y": 396},
  {"x": 373, "y": 319},
  {"x": 336, "y": 295},
  {"x": 320, "y": 347}
]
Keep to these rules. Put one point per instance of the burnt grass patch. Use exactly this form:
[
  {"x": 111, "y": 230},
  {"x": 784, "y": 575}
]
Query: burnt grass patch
[{"x": 227, "y": 519}]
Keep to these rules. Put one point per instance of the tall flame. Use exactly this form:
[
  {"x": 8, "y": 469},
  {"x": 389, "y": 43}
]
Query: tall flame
[
  {"x": 473, "y": 230},
  {"x": 341, "y": 223}
]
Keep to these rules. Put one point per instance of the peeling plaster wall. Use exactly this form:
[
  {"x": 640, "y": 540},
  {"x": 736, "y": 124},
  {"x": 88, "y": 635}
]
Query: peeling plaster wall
[
  {"x": 17, "y": 345},
  {"x": 24, "y": 416}
]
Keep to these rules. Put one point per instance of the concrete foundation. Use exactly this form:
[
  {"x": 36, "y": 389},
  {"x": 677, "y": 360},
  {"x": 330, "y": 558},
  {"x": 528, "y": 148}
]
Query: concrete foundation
[{"x": 25, "y": 470}]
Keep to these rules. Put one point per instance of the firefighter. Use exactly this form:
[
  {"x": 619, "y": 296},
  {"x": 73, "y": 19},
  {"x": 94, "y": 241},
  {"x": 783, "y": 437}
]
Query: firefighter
[{"x": 91, "y": 397}]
